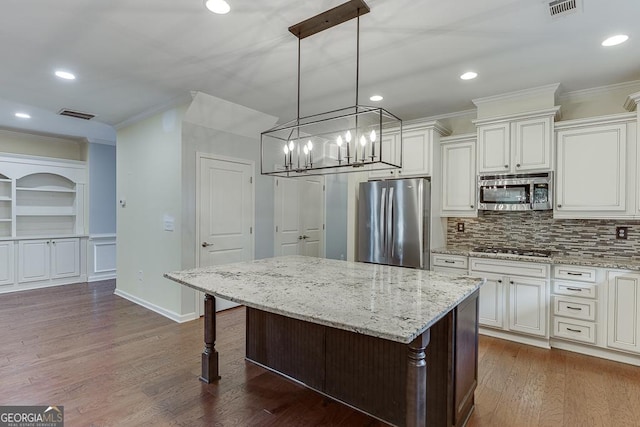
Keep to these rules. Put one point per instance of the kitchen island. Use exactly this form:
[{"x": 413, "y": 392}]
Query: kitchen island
[{"x": 397, "y": 343}]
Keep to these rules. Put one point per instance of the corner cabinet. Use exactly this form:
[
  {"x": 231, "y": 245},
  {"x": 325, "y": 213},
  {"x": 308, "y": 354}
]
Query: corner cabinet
[
  {"x": 43, "y": 237},
  {"x": 517, "y": 143},
  {"x": 417, "y": 151},
  {"x": 596, "y": 168},
  {"x": 458, "y": 160}
]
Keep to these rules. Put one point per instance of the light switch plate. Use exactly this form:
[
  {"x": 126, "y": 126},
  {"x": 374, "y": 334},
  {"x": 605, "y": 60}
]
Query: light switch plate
[
  {"x": 461, "y": 226},
  {"x": 622, "y": 233}
]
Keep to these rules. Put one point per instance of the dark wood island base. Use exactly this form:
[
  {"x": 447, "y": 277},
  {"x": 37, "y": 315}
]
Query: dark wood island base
[{"x": 429, "y": 382}]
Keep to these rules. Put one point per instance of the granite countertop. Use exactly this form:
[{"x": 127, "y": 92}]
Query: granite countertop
[
  {"x": 387, "y": 302},
  {"x": 619, "y": 263}
]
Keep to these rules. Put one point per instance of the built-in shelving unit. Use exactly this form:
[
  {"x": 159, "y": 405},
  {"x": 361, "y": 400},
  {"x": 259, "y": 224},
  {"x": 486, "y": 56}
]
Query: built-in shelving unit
[{"x": 6, "y": 210}]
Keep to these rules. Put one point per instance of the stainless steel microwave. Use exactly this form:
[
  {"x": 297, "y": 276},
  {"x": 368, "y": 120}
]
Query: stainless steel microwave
[{"x": 530, "y": 192}]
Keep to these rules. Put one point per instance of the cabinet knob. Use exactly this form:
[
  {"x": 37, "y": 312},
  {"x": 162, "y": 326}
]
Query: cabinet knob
[
  {"x": 471, "y": 206},
  {"x": 506, "y": 166},
  {"x": 511, "y": 281},
  {"x": 518, "y": 165},
  {"x": 391, "y": 172},
  {"x": 499, "y": 280},
  {"x": 559, "y": 206}
]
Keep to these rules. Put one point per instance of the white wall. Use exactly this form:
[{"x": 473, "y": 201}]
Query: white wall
[
  {"x": 149, "y": 180},
  {"x": 336, "y": 209},
  {"x": 102, "y": 189}
]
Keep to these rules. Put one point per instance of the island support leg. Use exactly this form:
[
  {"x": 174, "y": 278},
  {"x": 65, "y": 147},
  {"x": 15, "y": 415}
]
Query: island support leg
[
  {"x": 416, "y": 410},
  {"x": 209, "y": 354}
]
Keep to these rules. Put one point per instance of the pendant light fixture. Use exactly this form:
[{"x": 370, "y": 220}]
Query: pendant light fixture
[{"x": 345, "y": 140}]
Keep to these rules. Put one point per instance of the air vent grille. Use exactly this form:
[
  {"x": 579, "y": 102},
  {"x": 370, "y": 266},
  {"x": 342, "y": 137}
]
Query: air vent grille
[
  {"x": 562, "y": 7},
  {"x": 76, "y": 114}
]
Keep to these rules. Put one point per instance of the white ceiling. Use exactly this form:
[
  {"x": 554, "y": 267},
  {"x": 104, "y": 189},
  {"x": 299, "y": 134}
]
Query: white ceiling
[{"x": 133, "y": 56}]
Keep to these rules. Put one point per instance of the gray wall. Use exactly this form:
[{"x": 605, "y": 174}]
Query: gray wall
[
  {"x": 336, "y": 206},
  {"x": 102, "y": 189}
]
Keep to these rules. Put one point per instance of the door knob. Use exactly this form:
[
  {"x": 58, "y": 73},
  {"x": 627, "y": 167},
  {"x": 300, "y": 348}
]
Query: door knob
[
  {"x": 205, "y": 244},
  {"x": 305, "y": 236}
]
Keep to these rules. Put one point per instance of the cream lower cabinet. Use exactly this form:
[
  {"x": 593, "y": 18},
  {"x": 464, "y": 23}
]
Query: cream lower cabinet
[
  {"x": 6, "y": 263},
  {"x": 515, "y": 296},
  {"x": 623, "y": 311},
  {"x": 50, "y": 259}
]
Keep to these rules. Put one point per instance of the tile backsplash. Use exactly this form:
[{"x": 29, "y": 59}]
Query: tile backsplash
[{"x": 538, "y": 230}]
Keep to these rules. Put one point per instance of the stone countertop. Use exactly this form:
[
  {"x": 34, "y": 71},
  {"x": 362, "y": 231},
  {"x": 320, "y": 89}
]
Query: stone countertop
[
  {"x": 387, "y": 302},
  {"x": 619, "y": 263}
]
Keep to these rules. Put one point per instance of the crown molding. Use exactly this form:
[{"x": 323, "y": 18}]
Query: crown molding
[
  {"x": 555, "y": 111},
  {"x": 632, "y": 102},
  {"x": 551, "y": 88},
  {"x": 458, "y": 138},
  {"x": 422, "y": 125},
  {"x": 586, "y": 94},
  {"x": 610, "y": 119}
]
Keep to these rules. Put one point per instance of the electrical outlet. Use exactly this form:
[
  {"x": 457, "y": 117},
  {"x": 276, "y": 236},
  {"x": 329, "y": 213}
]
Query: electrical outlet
[
  {"x": 622, "y": 233},
  {"x": 461, "y": 226},
  {"x": 140, "y": 276}
]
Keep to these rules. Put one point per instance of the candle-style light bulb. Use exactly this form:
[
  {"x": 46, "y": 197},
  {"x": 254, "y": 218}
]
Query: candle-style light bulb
[
  {"x": 310, "y": 145},
  {"x": 290, "y": 145},
  {"x": 286, "y": 151},
  {"x": 306, "y": 152},
  {"x": 347, "y": 136},
  {"x": 290, "y": 153},
  {"x": 372, "y": 137},
  {"x": 339, "y": 143},
  {"x": 363, "y": 143}
]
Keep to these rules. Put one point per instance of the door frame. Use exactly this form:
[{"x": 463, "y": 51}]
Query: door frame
[
  {"x": 252, "y": 164},
  {"x": 276, "y": 218}
]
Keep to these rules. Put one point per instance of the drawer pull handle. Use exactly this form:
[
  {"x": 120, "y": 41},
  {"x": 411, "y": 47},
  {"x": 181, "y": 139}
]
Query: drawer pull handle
[
  {"x": 574, "y": 330},
  {"x": 449, "y": 261},
  {"x": 574, "y": 289},
  {"x": 571, "y": 273},
  {"x": 574, "y": 308}
]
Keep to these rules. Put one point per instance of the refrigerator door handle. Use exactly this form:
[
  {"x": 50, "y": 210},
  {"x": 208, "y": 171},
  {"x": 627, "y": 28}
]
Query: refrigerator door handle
[
  {"x": 383, "y": 222},
  {"x": 390, "y": 223}
]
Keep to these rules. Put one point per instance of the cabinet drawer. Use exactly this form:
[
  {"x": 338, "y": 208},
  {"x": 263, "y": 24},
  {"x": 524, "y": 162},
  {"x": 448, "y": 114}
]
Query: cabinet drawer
[
  {"x": 529, "y": 269},
  {"x": 569, "y": 272},
  {"x": 450, "y": 261},
  {"x": 574, "y": 307},
  {"x": 574, "y": 329},
  {"x": 577, "y": 289}
]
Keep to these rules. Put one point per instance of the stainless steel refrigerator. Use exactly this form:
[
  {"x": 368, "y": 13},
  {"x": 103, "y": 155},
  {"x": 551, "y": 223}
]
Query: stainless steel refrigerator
[{"x": 393, "y": 222}]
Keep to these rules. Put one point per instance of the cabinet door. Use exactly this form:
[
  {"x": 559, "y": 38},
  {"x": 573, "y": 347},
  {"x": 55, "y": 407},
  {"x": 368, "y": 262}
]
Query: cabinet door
[
  {"x": 416, "y": 153},
  {"x": 491, "y": 307},
  {"x": 494, "y": 150},
  {"x": 65, "y": 258},
  {"x": 532, "y": 143},
  {"x": 387, "y": 149},
  {"x": 591, "y": 169},
  {"x": 34, "y": 257},
  {"x": 528, "y": 305},
  {"x": 459, "y": 177},
  {"x": 623, "y": 311},
  {"x": 6, "y": 263}
]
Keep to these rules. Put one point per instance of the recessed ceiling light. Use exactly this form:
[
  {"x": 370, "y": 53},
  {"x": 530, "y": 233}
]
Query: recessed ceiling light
[
  {"x": 21, "y": 115},
  {"x": 376, "y": 98},
  {"x": 469, "y": 75},
  {"x": 65, "y": 75},
  {"x": 217, "y": 6},
  {"x": 614, "y": 40}
]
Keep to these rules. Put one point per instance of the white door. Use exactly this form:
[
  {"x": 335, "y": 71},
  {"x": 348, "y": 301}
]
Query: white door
[
  {"x": 65, "y": 257},
  {"x": 528, "y": 305},
  {"x": 6, "y": 263},
  {"x": 299, "y": 216},
  {"x": 416, "y": 153},
  {"x": 225, "y": 209},
  {"x": 459, "y": 177},
  {"x": 494, "y": 148},
  {"x": 623, "y": 311},
  {"x": 491, "y": 302},
  {"x": 34, "y": 257}
]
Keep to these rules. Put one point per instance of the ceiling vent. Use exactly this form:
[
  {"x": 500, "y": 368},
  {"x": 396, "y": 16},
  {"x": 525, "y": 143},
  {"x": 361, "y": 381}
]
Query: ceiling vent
[
  {"x": 76, "y": 114},
  {"x": 559, "y": 8}
]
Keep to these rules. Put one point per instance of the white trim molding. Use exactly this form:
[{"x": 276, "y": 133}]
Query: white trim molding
[
  {"x": 584, "y": 95},
  {"x": 541, "y": 90},
  {"x": 101, "y": 257},
  {"x": 555, "y": 112},
  {"x": 632, "y": 102},
  {"x": 162, "y": 311}
]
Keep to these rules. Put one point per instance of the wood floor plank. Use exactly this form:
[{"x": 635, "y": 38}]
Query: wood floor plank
[{"x": 113, "y": 363}]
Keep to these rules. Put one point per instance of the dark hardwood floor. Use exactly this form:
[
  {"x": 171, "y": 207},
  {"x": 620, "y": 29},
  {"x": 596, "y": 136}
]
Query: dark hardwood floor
[{"x": 111, "y": 362}]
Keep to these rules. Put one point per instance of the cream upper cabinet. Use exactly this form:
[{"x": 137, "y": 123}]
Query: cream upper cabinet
[
  {"x": 596, "y": 167},
  {"x": 388, "y": 147},
  {"x": 415, "y": 151},
  {"x": 494, "y": 148},
  {"x": 516, "y": 144},
  {"x": 623, "y": 308},
  {"x": 458, "y": 160}
]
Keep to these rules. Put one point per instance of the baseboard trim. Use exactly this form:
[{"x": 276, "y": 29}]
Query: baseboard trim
[
  {"x": 179, "y": 318},
  {"x": 510, "y": 336},
  {"x": 596, "y": 352},
  {"x": 99, "y": 278}
]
